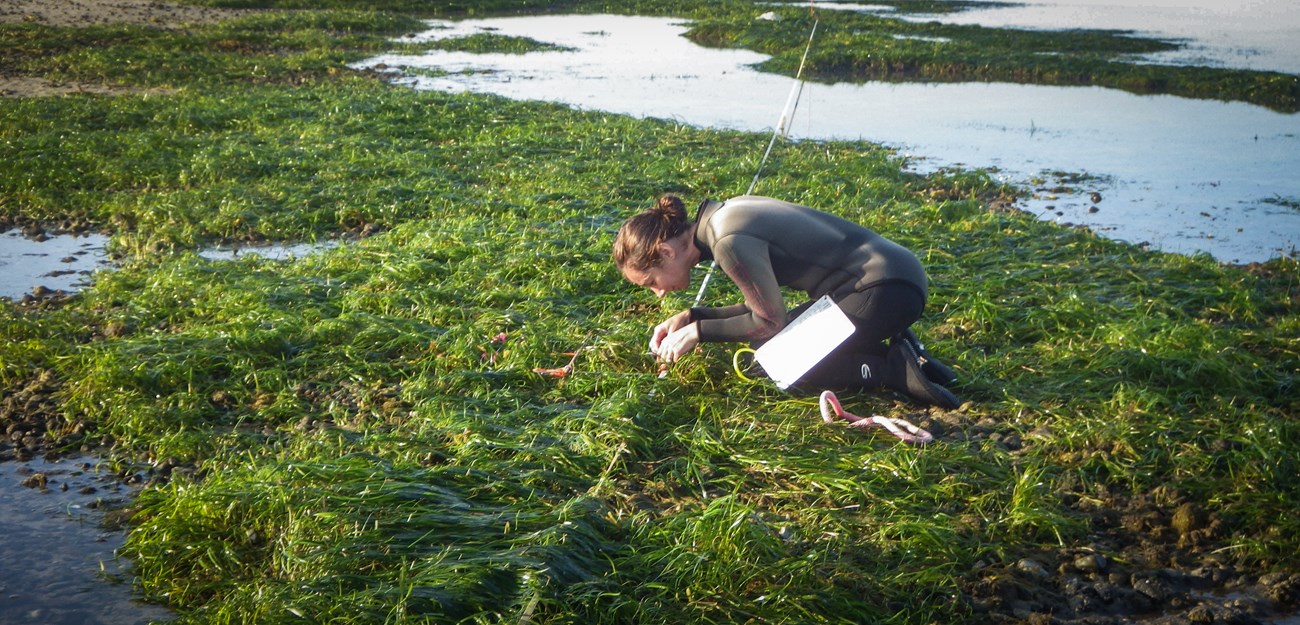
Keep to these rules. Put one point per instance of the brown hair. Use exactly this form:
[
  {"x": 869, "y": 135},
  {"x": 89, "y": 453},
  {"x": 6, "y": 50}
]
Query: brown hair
[{"x": 637, "y": 243}]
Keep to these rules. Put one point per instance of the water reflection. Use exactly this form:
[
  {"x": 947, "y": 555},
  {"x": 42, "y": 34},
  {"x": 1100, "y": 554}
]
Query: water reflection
[
  {"x": 1182, "y": 175},
  {"x": 59, "y": 263},
  {"x": 66, "y": 262},
  {"x": 56, "y": 555},
  {"x": 1248, "y": 34},
  {"x": 284, "y": 251}
]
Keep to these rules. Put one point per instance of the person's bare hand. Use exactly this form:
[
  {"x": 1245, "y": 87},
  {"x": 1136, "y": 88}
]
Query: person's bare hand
[
  {"x": 679, "y": 343},
  {"x": 663, "y": 330}
]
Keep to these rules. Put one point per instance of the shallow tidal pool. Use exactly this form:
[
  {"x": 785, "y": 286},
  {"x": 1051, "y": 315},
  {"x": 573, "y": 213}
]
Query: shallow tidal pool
[
  {"x": 58, "y": 564},
  {"x": 1175, "y": 174}
]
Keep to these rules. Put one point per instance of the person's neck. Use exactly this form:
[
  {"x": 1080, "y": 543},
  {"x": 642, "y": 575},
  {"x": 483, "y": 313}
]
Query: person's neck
[{"x": 691, "y": 247}]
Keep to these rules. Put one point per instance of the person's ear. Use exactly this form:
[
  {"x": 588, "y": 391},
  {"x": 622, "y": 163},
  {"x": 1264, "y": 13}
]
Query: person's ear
[{"x": 667, "y": 251}]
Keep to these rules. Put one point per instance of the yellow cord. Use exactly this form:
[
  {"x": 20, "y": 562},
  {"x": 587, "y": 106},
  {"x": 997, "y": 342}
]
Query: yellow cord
[{"x": 735, "y": 362}]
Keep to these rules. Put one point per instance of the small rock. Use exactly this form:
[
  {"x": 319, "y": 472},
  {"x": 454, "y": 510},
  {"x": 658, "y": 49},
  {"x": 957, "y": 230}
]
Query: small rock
[
  {"x": 1271, "y": 579},
  {"x": 1032, "y": 568},
  {"x": 1152, "y": 587},
  {"x": 1187, "y": 519},
  {"x": 1285, "y": 591},
  {"x": 1039, "y": 618},
  {"x": 1200, "y": 614},
  {"x": 1021, "y": 609},
  {"x": 1237, "y": 613},
  {"x": 1090, "y": 563},
  {"x": 36, "y": 480}
]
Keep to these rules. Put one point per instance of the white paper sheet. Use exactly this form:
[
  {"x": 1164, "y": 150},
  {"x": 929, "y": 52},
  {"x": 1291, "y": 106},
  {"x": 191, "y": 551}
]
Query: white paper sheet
[{"x": 804, "y": 342}]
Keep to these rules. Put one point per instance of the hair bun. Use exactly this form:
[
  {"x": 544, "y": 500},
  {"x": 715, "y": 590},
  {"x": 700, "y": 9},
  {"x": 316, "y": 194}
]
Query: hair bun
[
  {"x": 670, "y": 207},
  {"x": 638, "y": 239}
]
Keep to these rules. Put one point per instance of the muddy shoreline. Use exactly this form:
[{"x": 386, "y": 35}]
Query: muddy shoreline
[
  {"x": 84, "y": 13},
  {"x": 1151, "y": 558}
]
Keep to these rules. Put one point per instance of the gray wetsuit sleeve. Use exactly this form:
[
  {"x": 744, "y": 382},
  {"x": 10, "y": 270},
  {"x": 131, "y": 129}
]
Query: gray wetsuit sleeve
[
  {"x": 764, "y": 244},
  {"x": 747, "y": 261}
]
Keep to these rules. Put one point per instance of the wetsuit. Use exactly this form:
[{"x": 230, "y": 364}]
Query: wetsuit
[{"x": 763, "y": 244}]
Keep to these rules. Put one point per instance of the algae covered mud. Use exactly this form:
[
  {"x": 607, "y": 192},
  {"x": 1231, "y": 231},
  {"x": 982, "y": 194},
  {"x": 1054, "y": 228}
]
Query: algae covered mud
[
  {"x": 358, "y": 434},
  {"x": 1179, "y": 175}
]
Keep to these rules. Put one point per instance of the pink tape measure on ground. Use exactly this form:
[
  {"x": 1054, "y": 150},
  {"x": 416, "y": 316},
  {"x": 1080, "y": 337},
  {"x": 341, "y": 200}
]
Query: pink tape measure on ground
[{"x": 831, "y": 409}]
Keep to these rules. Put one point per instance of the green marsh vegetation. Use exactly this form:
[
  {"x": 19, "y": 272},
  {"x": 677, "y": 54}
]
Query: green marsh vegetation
[
  {"x": 859, "y": 46},
  {"x": 357, "y": 435}
]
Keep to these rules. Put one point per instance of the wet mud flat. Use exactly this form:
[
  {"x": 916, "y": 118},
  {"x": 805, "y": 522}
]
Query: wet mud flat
[
  {"x": 1154, "y": 559},
  {"x": 83, "y": 13}
]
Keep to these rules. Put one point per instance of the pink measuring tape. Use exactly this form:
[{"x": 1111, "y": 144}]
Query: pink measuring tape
[{"x": 831, "y": 408}]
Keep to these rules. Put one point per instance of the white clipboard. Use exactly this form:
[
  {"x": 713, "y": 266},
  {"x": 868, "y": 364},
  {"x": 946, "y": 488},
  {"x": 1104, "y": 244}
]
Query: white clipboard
[{"x": 804, "y": 342}]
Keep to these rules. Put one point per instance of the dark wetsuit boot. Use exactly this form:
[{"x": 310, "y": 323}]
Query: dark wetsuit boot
[
  {"x": 903, "y": 373},
  {"x": 936, "y": 371}
]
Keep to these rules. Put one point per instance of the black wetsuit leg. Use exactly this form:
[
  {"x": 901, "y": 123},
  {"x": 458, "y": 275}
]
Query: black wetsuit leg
[{"x": 877, "y": 313}]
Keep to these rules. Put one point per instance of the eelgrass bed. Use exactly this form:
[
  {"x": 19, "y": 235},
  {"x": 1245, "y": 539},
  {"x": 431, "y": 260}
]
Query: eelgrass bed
[{"x": 358, "y": 435}]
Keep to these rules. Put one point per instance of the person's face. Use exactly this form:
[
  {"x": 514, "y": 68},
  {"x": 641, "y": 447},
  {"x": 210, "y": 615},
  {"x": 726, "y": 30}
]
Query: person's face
[{"x": 673, "y": 273}]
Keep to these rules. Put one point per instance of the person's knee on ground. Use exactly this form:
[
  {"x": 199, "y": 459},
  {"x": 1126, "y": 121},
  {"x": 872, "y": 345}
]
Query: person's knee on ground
[{"x": 897, "y": 367}]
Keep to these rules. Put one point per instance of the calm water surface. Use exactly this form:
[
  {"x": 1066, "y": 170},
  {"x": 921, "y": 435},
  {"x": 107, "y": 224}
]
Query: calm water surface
[
  {"x": 55, "y": 556},
  {"x": 1249, "y": 34},
  {"x": 61, "y": 263},
  {"x": 1180, "y": 175},
  {"x": 68, "y": 262}
]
